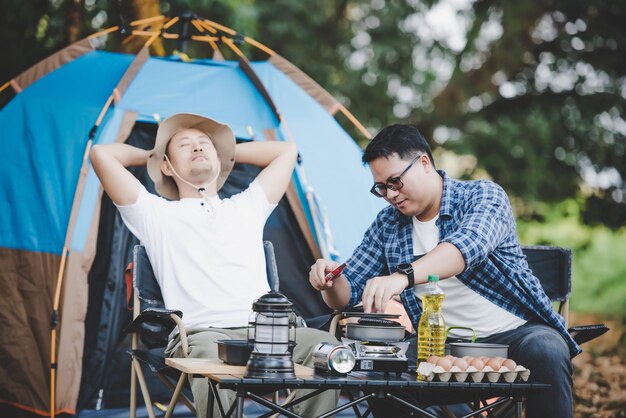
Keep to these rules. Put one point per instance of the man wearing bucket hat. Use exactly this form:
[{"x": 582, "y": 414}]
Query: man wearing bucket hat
[
  {"x": 206, "y": 252},
  {"x": 463, "y": 231}
]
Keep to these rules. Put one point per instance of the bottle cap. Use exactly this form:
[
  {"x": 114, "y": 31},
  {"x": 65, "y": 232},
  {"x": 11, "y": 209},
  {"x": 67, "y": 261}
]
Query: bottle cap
[{"x": 433, "y": 278}]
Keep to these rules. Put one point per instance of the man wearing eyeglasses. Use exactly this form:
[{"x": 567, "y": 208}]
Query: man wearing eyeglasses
[{"x": 463, "y": 231}]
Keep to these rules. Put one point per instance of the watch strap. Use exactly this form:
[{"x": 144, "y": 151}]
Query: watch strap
[
  {"x": 407, "y": 268},
  {"x": 411, "y": 277}
]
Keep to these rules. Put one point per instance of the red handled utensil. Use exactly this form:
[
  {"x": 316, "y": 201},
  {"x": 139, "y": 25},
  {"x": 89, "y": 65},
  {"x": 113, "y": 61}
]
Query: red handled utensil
[{"x": 335, "y": 273}]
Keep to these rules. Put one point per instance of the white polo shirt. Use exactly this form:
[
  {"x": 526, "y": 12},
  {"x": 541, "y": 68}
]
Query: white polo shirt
[
  {"x": 461, "y": 306},
  {"x": 207, "y": 256}
]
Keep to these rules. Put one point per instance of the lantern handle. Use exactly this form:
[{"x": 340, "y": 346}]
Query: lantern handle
[{"x": 270, "y": 266}]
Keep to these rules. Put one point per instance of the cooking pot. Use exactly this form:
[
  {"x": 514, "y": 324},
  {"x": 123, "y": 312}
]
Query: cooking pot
[
  {"x": 474, "y": 349},
  {"x": 479, "y": 349},
  {"x": 376, "y": 330}
]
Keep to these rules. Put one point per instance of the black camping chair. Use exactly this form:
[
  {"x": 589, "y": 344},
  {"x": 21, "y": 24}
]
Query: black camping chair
[
  {"x": 152, "y": 325},
  {"x": 553, "y": 267}
]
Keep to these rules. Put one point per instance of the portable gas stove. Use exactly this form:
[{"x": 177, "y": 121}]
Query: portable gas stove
[{"x": 379, "y": 356}]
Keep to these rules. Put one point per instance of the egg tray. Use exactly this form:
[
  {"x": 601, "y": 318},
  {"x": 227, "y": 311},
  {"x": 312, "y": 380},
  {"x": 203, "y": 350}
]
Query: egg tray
[{"x": 434, "y": 373}]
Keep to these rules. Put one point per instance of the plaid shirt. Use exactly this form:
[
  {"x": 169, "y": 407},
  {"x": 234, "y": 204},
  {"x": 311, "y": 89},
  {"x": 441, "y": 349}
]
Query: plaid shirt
[{"x": 476, "y": 217}]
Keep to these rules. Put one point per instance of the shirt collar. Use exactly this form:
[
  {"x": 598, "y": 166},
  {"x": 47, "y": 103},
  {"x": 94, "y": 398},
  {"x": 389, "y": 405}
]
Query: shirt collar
[
  {"x": 446, "y": 196},
  {"x": 211, "y": 199}
]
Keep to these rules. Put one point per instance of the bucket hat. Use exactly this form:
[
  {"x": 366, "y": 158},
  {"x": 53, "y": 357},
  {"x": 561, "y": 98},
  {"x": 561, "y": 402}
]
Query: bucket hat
[{"x": 221, "y": 135}]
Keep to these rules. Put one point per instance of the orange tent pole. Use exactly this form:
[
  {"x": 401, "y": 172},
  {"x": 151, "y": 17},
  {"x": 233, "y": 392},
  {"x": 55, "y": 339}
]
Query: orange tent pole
[
  {"x": 355, "y": 122},
  {"x": 103, "y": 32},
  {"x": 59, "y": 282},
  {"x": 147, "y": 20}
]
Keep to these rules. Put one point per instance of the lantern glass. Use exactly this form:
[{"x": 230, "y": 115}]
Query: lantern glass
[{"x": 272, "y": 333}]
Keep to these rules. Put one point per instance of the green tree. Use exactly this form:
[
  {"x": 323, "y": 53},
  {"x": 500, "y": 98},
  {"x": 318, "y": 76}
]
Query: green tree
[{"x": 535, "y": 90}]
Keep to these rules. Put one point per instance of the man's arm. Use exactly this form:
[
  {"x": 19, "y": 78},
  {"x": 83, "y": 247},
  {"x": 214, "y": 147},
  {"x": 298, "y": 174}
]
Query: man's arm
[
  {"x": 110, "y": 163},
  {"x": 336, "y": 293},
  {"x": 445, "y": 260},
  {"x": 278, "y": 158}
]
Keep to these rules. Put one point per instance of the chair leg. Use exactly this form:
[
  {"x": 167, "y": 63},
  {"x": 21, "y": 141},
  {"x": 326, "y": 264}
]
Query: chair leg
[
  {"x": 133, "y": 391},
  {"x": 288, "y": 399},
  {"x": 144, "y": 388},
  {"x": 183, "y": 397},
  {"x": 179, "y": 388}
]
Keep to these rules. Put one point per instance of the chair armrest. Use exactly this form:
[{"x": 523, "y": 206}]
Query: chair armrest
[
  {"x": 583, "y": 333},
  {"x": 153, "y": 315},
  {"x": 154, "y": 325}
]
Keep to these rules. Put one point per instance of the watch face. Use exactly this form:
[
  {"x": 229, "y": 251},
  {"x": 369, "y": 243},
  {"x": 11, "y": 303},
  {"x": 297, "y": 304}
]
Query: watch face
[{"x": 405, "y": 268}]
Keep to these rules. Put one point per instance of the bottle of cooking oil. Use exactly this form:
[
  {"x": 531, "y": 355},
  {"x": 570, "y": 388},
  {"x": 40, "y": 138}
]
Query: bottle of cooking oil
[{"x": 431, "y": 332}]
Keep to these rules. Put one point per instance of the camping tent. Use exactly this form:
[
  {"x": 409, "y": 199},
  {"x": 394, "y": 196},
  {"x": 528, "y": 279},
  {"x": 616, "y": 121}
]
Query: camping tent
[{"x": 62, "y": 246}]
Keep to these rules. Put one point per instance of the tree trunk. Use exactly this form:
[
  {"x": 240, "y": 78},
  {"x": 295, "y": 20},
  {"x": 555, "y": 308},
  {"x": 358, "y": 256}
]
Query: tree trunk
[
  {"x": 74, "y": 20},
  {"x": 144, "y": 9}
]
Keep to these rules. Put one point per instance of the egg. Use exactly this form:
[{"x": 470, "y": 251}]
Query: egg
[
  {"x": 509, "y": 364},
  {"x": 433, "y": 359},
  {"x": 478, "y": 364},
  {"x": 460, "y": 363},
  {"x": 444, "y": 363},
  {"x": 494, "y": 363},
  {"x": 450, "y": 357}
]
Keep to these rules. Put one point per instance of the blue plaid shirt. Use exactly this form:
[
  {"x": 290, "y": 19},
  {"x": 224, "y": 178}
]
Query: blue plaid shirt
[{"x": 476, "y": 217}]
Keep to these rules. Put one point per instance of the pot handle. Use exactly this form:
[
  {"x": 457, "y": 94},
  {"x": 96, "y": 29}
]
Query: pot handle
[{"x": 468, "y": 328}]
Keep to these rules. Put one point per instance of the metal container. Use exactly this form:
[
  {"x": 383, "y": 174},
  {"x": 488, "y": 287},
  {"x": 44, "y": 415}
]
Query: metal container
[
  {"x": 479, "y": 349},
  {"x": 332, "y": 358}
]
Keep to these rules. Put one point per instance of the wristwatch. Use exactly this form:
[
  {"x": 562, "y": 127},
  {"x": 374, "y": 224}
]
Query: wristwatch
[{"x": 407, "y": 268}]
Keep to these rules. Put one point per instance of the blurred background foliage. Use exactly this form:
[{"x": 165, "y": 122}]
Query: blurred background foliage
[{"x": 529, "y": 94}]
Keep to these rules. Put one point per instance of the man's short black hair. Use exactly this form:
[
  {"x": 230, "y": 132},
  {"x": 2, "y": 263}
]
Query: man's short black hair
[{"x": 405, "y": 140}]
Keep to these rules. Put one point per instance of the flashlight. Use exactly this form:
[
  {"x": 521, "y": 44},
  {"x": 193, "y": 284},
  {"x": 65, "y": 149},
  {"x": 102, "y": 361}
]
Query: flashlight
[{"x": 333, "y": 359}]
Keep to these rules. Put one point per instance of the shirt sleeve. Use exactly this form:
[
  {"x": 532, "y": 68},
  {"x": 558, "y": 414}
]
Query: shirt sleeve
[
  {"x": 255, "y": 200},
  {"x": 140, "y": 215},
  {"x": 486, "y": 224},
  {"x": 366, "y": 262}
]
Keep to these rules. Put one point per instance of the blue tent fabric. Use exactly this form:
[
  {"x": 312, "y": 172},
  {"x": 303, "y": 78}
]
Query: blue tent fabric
[
  {"x": 331, "y": 160},
  {"x": 53, "y": 117},
  {"x": 43, "y": 134}
]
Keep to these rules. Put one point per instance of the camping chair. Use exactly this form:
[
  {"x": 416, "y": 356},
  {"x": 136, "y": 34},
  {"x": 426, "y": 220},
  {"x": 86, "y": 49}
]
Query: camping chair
[
  {"x": 553, "y": 267},
  {"x": 152, "y": 324}
]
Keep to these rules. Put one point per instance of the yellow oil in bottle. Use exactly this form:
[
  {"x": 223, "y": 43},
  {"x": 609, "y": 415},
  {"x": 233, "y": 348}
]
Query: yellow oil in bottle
[{"x": 431, "y": 332}]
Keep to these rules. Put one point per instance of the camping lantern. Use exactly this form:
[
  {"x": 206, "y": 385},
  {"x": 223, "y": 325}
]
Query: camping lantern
[{"x": 271, "y": 336}]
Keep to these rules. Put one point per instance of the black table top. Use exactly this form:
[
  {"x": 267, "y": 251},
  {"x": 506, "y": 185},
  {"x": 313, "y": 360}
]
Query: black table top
[{"x": 369, "y": 380}]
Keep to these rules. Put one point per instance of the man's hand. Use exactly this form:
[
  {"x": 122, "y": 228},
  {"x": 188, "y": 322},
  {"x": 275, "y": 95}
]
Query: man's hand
[
  {"x": 336, "y": 292},
  {"x": 379, "y": 290},
  {"x": 319, "y": 270}
]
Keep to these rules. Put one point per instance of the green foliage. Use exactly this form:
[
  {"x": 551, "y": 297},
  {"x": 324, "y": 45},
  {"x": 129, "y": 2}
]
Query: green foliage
[
  {"x": 599, "y": 264},
  {"x": 535, "y": 90}
]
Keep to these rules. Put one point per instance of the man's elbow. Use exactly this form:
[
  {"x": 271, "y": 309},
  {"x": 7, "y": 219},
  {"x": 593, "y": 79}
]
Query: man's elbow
[
  {"x": 291, "y": 149},
  {"x": 96, "y": 154}
]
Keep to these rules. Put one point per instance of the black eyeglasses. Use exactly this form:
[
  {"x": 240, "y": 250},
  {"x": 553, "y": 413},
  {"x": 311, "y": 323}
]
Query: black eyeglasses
[{"x": 394, "y": 183}]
